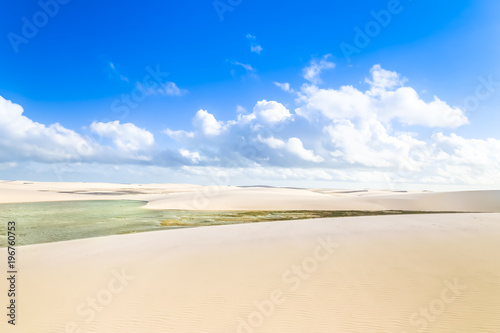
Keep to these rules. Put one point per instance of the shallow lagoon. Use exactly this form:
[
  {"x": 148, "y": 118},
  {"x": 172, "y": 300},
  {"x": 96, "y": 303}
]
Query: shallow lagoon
[{"x": 45, "y": 222}]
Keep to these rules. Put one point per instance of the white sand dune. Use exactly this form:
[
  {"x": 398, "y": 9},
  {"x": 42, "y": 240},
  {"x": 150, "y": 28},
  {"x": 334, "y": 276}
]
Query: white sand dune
[
  {"x": 433, "y": 273},
  {"x": 311, "y": 199},
  {"x": 194, "y": 197},
  {"x": 382, "y": 274}
]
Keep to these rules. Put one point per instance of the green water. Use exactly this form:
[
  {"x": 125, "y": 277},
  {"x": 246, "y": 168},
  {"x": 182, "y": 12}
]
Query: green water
[{"x": 45, "y": 222}]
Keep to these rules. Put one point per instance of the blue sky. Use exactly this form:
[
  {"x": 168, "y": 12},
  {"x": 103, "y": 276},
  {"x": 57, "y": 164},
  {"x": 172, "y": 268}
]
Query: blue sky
[{"x": 236, "y": 76}]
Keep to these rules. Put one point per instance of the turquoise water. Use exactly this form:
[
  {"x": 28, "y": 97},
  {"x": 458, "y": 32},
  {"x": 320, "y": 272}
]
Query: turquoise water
[{"x": 45, "y": 222}]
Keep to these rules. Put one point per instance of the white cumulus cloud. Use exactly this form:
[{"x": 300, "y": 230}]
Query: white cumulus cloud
[
  {"x": 23, "y": 138},
  {"x": 386, "y": 100},
  {"x": 271, "y": 112},
  {"x": 206, "y": 123},
  {"x": 194, "y": 157},
  {"x": 342, "y": 134},
  {"x": 126, "y": 137},
  {"x": 295, "y": 146}
]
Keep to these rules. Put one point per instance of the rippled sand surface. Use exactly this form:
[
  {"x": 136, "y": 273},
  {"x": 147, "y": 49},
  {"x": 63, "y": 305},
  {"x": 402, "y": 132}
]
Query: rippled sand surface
[{"x": 416, "y": 273}]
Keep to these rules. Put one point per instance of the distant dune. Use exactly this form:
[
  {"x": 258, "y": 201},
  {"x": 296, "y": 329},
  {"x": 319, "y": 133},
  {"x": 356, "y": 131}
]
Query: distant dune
[{"x": 195, "y": 197}]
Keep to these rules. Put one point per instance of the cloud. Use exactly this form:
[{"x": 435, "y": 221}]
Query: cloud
[
  {"x": 249, "y": 70},
  {"x": 271, "y": 112},
  {"x": 178, "y": 135},
  {"x": 166, "y": 89},
  {"x": 273, "y": 142},
  {"x": 312, "y": 72},
  {"x": 342, "y": 134},
  {"x": 126, "y": 137},
  {"x": 24, "y": 139},
  {"x": 115, "y": 72},
  {"x": 265, "y": 114},
  {"x": 247, "y": 67},
  {"x": 386, "y": 100},
  {"x": 238, "y": 141},
  {"x": 295, "y": 146},
  {"x": 346, "y": 102},
  {"x": 284, "y": 86},
  {"x": 206, "y": 123},
  {"x": 171, "y": 89},
  {"x": 254, "y": 47},
  {"x": 346, "y": 135},
  {"x": 383, "y": 80},
  {"x": 368, "y": 143},
  {"x": 194, "y": 157}
]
